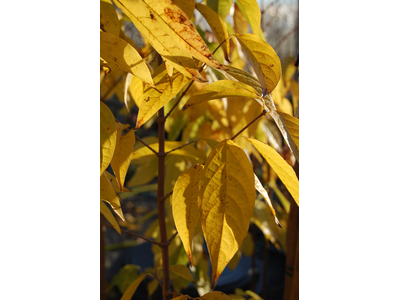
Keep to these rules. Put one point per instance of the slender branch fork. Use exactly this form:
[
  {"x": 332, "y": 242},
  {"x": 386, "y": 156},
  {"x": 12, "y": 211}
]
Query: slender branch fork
[
  {"x": 264, "y": 112},
  {"x": 144, "y": 143}
]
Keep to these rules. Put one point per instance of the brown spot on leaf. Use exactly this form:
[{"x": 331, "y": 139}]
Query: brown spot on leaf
[
  {"x": 167, "y": 10},
  {"x": 151, "y": 16},
  {"x": 182, "y": 19},
  {"x": 271, "y": 65}
]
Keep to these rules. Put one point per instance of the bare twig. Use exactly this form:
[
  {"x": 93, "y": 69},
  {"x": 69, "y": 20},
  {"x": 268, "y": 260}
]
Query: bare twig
[
  {"x": 286, "y": 36},
  {"x": 179, "y": 100},
  {"x": 134, "y": 234},
  {"x": 180, "y": 147},
  {"x": 172, "y": 237},
  {"x": 264, "y": 112},
  {"x": 144, "y": 143},
  {"x": 166, "y": 196}
]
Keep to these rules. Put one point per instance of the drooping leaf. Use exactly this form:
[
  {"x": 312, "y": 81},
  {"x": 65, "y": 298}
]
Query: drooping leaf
[
  {"x": 185, "y": 205},
  {"x": 182, "y": 271},
  {"x": 153, "y": 100},
  {"x": 132, "y": 288},
  {"x": 221, "y": 7},
  {"x": 217, "y": 26},
  {"x": 186, "y": 5},
  {"x": 109, "y": 216},
  {"x": 108, "y": 136},
  {"x": 108, "y": 18},
  {"x": 145, "y": 154},
  {"x": 292, "y": 125},
  {"x": 119, "y": 54},
  {"x": 171, "y": 33},
  {"x": 253, "y": 14},
  {"x": 221, "y": 89},
  {"x": 122, "y": 156},
  {"x": 108, "y": 194},
  {"x": 264, "y": 59},
  {"x": 215, "y": 296},
  {"x": 284, "y": 171},
  {"x": 264, "y": 193},
  {"x": 233, "y": 73},
  {"x": 239, "y": 21},
  {"x": 227, "y": 200}
]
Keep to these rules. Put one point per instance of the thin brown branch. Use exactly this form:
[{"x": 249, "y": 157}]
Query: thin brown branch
[
  {"x": 180, "y": 147},
  {"x": 156, "y": 278},
  {"x": 286, "y": 36},
  {"x": 144, "y": 143},
  {"x": 134, "y": 234},
  {"x": 179, "y": 100},
  {"x": 172, "y": 237},
  {"x": 264, "y": 112},
  {"x": 166, "y": 196}
]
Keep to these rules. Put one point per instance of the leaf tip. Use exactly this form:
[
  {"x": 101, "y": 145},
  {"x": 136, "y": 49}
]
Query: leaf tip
[
  {"x": 277, "y": 222},
  {"x": 214, "y": 281}
]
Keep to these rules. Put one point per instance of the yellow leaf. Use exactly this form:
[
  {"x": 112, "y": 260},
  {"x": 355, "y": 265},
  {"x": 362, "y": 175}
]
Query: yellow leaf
[
  {"x": 144, "y": 154},
  {"x": 235, "y": 260},
  {"x": 227, "y": 198},
  {"x": 284, "y": 171},
  {"x": 221, "y": 89},
  {"x": 170, "y": 32},
  {"x": 185, "y": 206},
  {"x": 181, "y": 297},
  {"x": 108, "y": 194},
  {"x": 215, "y": 296},
  {"x": 264, "y": 59},
  {"x": 217, "y": 26},
  {"x": 186, "y": 5},
  {"x": 264, "y": 193},
  {"x": 136, "y": 90},
  {"x": 144, "y": 173},
  {"x": 221, "y": 7},
  {"x": 292, "y": 125},
  {"x": 109, "y": 216},
  {"x": 119, "y": 54},
  {"x": 260, "y": 219},
  {"x": 153, "y": 100},
  {"x": 239, "y": 21},
  {"x": 108, "y": 136},
  {"x": 108, "y": 18},
  {"x": 253, "y": 13},
  {"x": 132, "y": 288},
  {"x": 248, "y": 245},
  {"x": 122, "y": 155},
  {"x": 244, "y": 77},
  {"x": 182, "y": 271}
]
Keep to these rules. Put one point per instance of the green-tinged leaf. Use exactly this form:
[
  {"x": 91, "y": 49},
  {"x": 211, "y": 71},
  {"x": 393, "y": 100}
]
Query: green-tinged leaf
[
  {"x": 152, "y": 287},
  {"x": 292, "y": 125},
  {"x": 182, "y": 271},
  {"x": 248, "y": 245},
  {"x": 221, "y": 7},
  {"x": 227, "y": 200},
  {"x": 221, "y": 89},
  {"x": 145, "y": 154},
  {"x": 243, "y": 77},
  {"x": 120, "y": 55},
  {"x": 186, "y": 5},
  {"x": 284, "y": 171},
  {"x": 170, "y": 32},
  {"x": 108, "y": 194},
  {"x": 264, "y": 193},
  {"x": 132, "y": 288},
  {"x": 108, "y": 136},
  {"x": 108, "y": 18},
  {"x": 239, "y": 21},
  {"x": 217, "y": 26},
  {"x": 215, "y": 296},
  {"x": 153, "y": 100},
  {"x": 109, "y": 216},
  {"x": 144, "y": 173},
  {"x": 126, "y": 275},
  {"x": 264, "y": 59},
  {"x": 185, "y": 205},
  {"x": 122, "y": 156},
  {"x": 253, "y": 14}
]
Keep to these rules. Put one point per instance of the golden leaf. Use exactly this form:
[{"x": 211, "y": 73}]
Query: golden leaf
[
  {"x": 239, "y": 21},
  {"x": 221, "y": 89},
  {"x": 227, "y": 198},
  {"x": 182, "y": 271},
  {"x": 108, "y": 18},
  {"x": 122, "y": 156},
  {"x": 264, "y": 193},
  {"x": 109, "y": 216},
  {"x": 119, "y": 54},
  {"x": 185, "y": 205},
  {"x": 132, "y": 288},
  {"x": 284, "y": 171},
  {"x": 108, "y": 136},
  {"x": 221, "y": 7},
  {"x": 217, "y": 26},
  {"x": 253, "y": 14},
  {"x": 108, "y": 194},
  {"x": 186, "y": 5},
  {"x": 264, "y": 59},
  {"x": 153, "y": 100},
  {"x": 292, "y": 125},
  {"x": 136, "y": 89}
]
